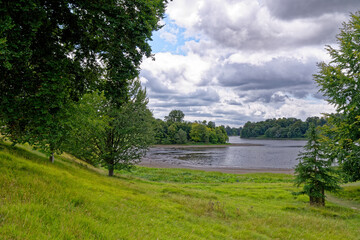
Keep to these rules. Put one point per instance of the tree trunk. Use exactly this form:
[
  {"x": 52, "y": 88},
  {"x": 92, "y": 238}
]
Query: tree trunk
[
  {"x": 52, "y": 157},
  {"x": 318, "y": 201},
  {"x": 111, "y": 171}
]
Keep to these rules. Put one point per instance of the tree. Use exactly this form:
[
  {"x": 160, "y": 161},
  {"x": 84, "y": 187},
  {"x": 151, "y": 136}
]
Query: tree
[
  {"x": 339, "y": 82},
  {"x": 211, "y": 124},
  {"x": 52, "y": 52},
  {"x": 314, "y": 170},
  {"x": 199, "y": 133},
  {"x": 115, "y": 137},
  {"x": 175, "y": 116},
  {"x": 213, "y": 138},
  {"x": 221, "y": 134},
  {"x": 181, "y": 137}
]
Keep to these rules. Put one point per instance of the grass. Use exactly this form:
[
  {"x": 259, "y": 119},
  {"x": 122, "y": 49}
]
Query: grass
[
  {"x": 72, "y": 200},
  {"x": 350, "y": 192}
]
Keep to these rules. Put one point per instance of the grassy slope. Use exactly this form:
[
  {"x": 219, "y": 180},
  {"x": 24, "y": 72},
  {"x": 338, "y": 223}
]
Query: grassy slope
[{"x": 69, "y": 200}]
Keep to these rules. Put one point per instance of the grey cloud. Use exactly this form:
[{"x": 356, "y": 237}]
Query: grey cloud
[
  {"x": 262, "y": 83},
  {"x": 200, "y": 97},
  {"x": 278, "y": 73},
  {"x": 235, "y": 103},
  {"x": 318, "y": 95},
  {"x": 154, "y": 83},
  {"x": 292, "y": 9},
  {"x": 252, "y": 33}
]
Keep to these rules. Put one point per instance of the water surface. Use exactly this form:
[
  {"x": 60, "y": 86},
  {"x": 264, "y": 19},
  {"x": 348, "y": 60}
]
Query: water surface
[{"x": 279, "y": 154}]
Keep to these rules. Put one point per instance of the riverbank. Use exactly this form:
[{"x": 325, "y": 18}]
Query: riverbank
[
  {"x": 158, "y": 164},
  {"x": 206, "y": 145}
]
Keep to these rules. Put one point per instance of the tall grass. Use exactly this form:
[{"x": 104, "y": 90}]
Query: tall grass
[{"x": 72, "y": 200}]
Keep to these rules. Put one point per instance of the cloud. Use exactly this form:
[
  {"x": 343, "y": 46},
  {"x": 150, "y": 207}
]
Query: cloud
[
  {"x": 248, "y": 24},
  {"x": 242, "y": 60},
  {"x": 270, "y": 82},
  {"x": 292, "y": 9},
  {"x": 278, "y": 73}
]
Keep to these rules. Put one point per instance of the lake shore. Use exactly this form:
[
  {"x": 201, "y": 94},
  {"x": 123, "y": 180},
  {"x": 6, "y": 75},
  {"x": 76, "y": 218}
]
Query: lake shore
[
  {"x": 158, "y": 164},
  {"x": 206, "y": 145}
]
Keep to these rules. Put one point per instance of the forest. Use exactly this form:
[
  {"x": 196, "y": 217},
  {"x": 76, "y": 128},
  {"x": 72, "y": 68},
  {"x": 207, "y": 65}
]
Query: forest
[{"x": 280, "y": 128}]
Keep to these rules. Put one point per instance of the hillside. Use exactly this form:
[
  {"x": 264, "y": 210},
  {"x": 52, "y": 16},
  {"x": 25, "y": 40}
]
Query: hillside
[{"x": 72, "y": 200}]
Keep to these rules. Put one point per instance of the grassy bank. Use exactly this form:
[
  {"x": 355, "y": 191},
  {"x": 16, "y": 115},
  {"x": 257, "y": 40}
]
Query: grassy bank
[{"x": 71, "y": 200}]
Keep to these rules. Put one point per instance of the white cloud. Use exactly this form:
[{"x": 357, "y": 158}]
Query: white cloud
[{"x": 245, "y": 60}]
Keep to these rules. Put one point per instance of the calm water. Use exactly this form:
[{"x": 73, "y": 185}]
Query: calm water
[{"x": 273, "y": 154}]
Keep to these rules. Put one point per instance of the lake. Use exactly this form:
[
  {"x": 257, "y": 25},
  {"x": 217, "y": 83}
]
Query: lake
[{"x": 261, "y": 154}]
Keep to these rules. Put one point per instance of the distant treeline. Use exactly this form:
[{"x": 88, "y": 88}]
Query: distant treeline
[
  {"x": 174, "y": 130},
  {"x": 233, "y": 131},
  {"x": 280, "y": 128}
]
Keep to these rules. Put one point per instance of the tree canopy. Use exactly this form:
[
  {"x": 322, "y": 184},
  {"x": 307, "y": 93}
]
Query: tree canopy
[
  {"x": 339, "y": 82},
  {"x": 175, "y": 116},
  {"x": 176, "y": 131},
  {"x": 280, "y": 128},
  {"x": 52, "y": 52}
]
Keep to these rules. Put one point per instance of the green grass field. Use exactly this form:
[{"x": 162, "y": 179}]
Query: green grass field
[{"x": 72, "y": 200}]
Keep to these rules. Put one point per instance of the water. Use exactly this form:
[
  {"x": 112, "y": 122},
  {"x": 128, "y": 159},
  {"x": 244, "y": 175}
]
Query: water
[{"x": 279, "y": 154}]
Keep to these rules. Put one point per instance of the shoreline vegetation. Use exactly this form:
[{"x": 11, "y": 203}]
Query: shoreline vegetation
[
  {"x": 205, "y": 145},
  {"x": 281, "y": 128}
]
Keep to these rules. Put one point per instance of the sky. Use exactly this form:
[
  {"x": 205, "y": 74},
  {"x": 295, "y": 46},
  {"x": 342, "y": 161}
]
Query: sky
[{"x": 233, "y": 61}]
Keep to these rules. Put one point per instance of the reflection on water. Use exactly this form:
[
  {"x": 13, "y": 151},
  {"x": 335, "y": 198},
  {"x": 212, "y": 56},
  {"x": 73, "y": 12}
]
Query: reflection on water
[{"x": 272, "y": 154}]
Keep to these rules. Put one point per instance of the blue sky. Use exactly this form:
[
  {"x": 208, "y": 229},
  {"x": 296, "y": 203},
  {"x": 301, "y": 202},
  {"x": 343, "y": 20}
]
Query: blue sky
[
  {"x": 174, "y": 41},
  {"x": 247, "y": 60}
]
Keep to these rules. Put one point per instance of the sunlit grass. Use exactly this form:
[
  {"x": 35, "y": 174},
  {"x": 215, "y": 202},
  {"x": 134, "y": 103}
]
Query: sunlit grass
[{"x": 72, "y": 200}]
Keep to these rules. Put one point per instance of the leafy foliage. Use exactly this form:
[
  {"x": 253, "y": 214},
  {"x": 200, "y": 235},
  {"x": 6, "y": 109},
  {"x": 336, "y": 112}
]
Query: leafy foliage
[
  {"x": 114, "y": 137},
  {"x": 52, "y": 52},
  {"x": 314, "y": 170},
  {"x": 339, "y": 82},
  {"x": 176, "y": 131},
  {"x": 280, "y": 128},
  {"x": 175, "y": 116}
]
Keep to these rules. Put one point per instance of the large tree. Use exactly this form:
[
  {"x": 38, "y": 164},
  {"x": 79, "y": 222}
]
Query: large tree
[
  {"x": 112, "y": 136},
  {"x": 52, "y": 52},
  {"x": 340, "y": 84}
]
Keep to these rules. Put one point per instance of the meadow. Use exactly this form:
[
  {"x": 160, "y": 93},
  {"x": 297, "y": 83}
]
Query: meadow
[{"x": 73, "y": 200}]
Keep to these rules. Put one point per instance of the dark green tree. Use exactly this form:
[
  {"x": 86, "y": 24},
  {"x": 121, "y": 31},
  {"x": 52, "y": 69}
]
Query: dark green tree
[
  {"x": 211, "y": 124},
  {"x": 175, "y": 116},
  {"x": 52, "y": 52},
  {"x": 339, "y": 82},
  {"x": 181, "y": 137},
  {"x": 314, "y": 170}
]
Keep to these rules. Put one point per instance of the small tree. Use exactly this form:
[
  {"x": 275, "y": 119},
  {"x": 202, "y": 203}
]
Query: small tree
[
  {"x": 114, "y": 137},
  {"x": 314, "y": 170}
]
